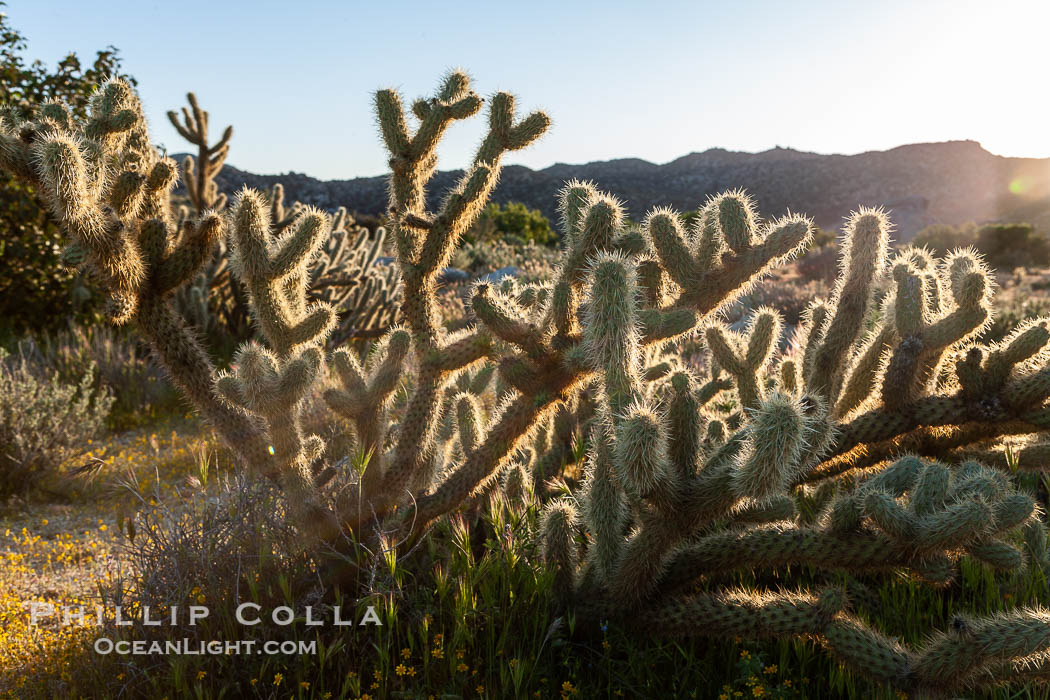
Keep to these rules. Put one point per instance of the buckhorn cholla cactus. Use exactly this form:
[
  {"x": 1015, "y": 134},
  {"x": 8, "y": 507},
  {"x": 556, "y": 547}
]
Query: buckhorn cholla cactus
[
  {"x": 344, "y": 273},
  {"x": 678, "y": 489},
  {"x": 663, "y": 513}
]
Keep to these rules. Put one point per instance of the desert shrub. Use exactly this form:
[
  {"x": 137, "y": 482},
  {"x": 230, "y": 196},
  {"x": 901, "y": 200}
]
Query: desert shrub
[
  {"x": 532, "y": 262},
  {"x": 941, "y": 238},
  {"x": 173, "y": 546},
  {"x": 44, "y": 421},
  {"x": 511, "y": 219},
  {"x": 36, "y": 290},
  {"x": 1007, "y": 246},
  {"x": 122, "y": 366},
  {"x": 1004, "y": 246}
]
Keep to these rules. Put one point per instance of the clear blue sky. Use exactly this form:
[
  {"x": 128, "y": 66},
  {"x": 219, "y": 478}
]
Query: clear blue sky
[{"x": 652, "y": 80}]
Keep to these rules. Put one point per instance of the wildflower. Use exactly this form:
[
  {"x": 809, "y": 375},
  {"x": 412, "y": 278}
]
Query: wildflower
[
  {"x": 460, "y": 653},
  {"x": 437, "y": 653},
  {"x": 277, "y": 678},
  {"x": 200, "y": 598},
  {"x": 305, "y": 685},
  {"x": 327, "y": 695},
  {"x": 202, "y": 674},
  {"x": 606, "y": 645},
  {"x": 758, "y": 691},
  {"x": 253, "y": 681},
  {"x": 769, "y": 670},
  {"x": 513, "y": 663},
  {"x": 411, "y": 670},
  {"x": 462, "y": 667},
  {"x": 480, "y": 689},
  {"x": 406, "y": 653},
  {"x": 120, "y": 676},
  {"x": 400, "y": 670},
  {"x": 567, "y": 689}
]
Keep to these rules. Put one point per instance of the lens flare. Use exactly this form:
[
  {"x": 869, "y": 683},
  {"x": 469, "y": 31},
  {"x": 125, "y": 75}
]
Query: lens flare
[{"x": 1021, "y": 185}]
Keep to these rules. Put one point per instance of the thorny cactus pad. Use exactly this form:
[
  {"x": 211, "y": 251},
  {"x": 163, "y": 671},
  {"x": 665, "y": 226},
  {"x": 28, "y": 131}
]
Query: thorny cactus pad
[{"x": 883, "y": 415}]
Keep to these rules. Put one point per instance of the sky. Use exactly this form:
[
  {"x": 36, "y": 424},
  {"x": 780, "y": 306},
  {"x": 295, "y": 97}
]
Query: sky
[{"x": 652, "y": 80}]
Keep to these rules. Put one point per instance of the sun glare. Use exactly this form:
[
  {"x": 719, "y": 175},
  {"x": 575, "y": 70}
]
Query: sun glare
[{"x": 999, "y": 56}]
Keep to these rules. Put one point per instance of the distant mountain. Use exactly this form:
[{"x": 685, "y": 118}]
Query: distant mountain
[{"x": 950, "y": 182}]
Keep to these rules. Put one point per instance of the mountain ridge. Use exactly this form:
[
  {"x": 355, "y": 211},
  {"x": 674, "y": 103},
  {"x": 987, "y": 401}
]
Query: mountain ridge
[{"x": 938, "y": 182}]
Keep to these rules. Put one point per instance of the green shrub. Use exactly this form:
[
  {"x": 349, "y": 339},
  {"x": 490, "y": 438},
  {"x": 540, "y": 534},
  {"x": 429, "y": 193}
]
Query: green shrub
[
  {"x": 1004, "y": 246},
  {"x": 513, "y": 219},
  {"x": 122, "y": 365},
  {"x": 940, "y": 238},
  {"x": 43, "y": 421},
  {"x": 1007, "y": 246}
]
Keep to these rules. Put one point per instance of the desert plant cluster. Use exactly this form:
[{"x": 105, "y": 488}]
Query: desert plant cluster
[{"x": 684, "y": 450}]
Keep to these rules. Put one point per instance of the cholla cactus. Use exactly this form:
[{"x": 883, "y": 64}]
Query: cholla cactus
[
  {"x": 199, "y": 174},
  {"x": 111, "y": 189},
  {"x": 344, "y": 273},
  {"x": 665, "y": 509},
  {"x": 868, "y": 418}
]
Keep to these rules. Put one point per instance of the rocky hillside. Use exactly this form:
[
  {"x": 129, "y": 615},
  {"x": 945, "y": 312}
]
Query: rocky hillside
[{"x": 950, "y": 182}]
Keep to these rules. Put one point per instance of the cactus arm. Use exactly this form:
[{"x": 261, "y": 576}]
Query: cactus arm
[
  {"x": 424, "y": 243},
  {"x": 865, "y": 243},
  {"x": 200, "y": 174},
  {"x": 779, "y": 241}
]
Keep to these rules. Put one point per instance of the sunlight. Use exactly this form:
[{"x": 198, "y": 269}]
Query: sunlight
[{"x": 997, "y": 57}]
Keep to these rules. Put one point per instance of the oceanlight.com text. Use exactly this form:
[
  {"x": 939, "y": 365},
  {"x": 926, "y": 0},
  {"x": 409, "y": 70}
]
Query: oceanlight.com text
[{"x": 197, "y": 647}]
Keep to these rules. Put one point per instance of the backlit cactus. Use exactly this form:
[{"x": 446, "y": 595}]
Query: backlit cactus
[
  {"x": 870, "y": 444},
  {"x": 344, "y": 273}
]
